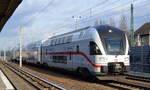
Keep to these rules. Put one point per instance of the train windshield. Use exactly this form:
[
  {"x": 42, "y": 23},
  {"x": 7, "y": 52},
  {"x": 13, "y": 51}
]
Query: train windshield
[{"x": 114, "y": 45}]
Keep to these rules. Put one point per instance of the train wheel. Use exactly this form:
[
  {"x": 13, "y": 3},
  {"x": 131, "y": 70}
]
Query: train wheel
[
  {"x": 85, "y": 73},
  {"x": 45, "y": 65}
]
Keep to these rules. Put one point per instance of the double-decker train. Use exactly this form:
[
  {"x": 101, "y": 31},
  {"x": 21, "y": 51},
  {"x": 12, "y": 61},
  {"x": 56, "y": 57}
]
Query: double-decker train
[{"x": 98, "y": 50}]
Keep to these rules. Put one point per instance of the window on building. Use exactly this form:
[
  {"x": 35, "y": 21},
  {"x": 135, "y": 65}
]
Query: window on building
[{"x": 145, "y": 40}]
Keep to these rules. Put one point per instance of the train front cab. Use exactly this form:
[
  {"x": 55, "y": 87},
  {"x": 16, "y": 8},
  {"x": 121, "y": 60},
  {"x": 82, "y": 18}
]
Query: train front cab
[
  {"x": 108, "y": 64},
  {"x": 110, "y": 51}
]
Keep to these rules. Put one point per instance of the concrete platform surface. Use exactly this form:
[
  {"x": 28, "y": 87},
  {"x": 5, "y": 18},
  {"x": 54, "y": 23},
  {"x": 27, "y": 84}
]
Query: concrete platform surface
[
  {"x": 4, "y": 82},
  {"x": 141, "y": 74}
]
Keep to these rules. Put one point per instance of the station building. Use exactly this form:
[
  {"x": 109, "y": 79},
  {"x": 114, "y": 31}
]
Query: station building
[{"x": 7, "y": 8}]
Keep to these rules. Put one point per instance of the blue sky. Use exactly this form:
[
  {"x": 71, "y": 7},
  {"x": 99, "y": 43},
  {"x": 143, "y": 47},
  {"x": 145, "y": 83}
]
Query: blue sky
[{"x": 40, "y": 19}]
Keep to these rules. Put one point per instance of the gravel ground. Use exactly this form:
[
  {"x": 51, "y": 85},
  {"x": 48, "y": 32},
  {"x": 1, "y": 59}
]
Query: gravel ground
[
  {"x": 71, "y": 81},
  {"x": 66, "y": 80}
]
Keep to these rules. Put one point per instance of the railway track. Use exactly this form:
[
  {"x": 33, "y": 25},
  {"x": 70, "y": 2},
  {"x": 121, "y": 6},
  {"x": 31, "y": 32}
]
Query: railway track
[
  {"x": 37, "y": 82},
  {"x": 138, "y": 78},
  {"x": 125, "y": 85}
]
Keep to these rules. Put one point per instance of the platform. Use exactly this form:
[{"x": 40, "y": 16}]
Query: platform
[
  {"x": 140, "y": 74},
  {"x": 4, "y": 82}
]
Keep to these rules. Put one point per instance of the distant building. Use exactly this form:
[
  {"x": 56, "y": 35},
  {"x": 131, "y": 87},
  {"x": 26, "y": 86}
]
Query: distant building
[
  {"x": 140, "y": 54},
  {"x": 142, "y": 35}
]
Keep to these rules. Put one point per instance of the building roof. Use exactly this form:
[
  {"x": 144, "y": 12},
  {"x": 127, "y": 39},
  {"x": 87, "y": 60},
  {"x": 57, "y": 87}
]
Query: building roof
[
  {"x": 143, "y": 30},
  {"x": 7, "y": 7}
]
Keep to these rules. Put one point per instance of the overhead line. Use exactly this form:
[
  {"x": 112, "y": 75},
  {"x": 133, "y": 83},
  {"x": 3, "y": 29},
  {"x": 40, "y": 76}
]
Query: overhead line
[
  {"x": 91, "y": 7},
  {"x": 97, "y": 15},
  {"x": 85, "y": 10}
]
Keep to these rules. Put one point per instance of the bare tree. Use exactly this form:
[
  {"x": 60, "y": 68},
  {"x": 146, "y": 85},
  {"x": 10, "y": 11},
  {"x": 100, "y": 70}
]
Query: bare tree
[
  {"x": 97, "y": 22},
  {"x": 123, "y": 23},
  {"x": 104, "y": 22},
  {"x": 100, "y": 22},
  {"x": 112, "y": 21}
]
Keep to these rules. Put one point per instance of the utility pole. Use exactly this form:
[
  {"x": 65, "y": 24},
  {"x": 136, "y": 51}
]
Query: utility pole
[
  {"x": 4, "y": 54},
  {"x": 132, "y": 25},
  {"x": 20, "y": 45},
  {"x": 76, "y": 21},
  {"x": 32, "y": 39}
]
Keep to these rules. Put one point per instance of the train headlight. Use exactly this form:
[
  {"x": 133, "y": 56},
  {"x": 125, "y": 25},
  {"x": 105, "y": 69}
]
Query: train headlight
[
  {"x": 110, "y": 31},
  {"x": 126, "y": 59},
  {"x": 103, "y": 59}
]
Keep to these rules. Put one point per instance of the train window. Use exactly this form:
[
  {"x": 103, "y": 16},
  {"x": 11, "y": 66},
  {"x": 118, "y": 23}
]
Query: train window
[
  {"x": 51, "y": 43},
  {"x": 81, "y": 34},
  {"x": 63, "y": 40},
  {"x": 59, "y": 41},
  {"x": 56, "y": 41},
  {"x": 59, "y": 59},
  {"x": 69, "y": 38},
  {"x": 94, "y": 49},
  {"x": 114, "y": 45},
  {"x": 66, "y": 39}
]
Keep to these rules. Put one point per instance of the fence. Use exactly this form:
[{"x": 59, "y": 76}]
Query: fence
[{"x": 140, "y": 59}]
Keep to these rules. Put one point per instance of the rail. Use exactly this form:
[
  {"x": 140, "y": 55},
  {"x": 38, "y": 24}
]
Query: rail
[
  {"x": 36, "y": 81},
  {"x": 138, "y": 78},
  {"x": 124, "y": 85}
]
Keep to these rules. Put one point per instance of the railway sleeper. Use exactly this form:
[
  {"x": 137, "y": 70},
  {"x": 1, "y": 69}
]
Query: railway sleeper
[
  {"x": 139, "y": 79},
  {"x": 132, "y": 85}
]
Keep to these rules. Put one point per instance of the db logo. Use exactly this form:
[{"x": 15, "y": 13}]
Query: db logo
[{"x": 115, "y": 60}]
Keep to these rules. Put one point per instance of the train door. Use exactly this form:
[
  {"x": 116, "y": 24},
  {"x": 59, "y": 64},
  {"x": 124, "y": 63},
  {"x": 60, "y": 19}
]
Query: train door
[
  {"x": 70, "y": 57},
  {"x": 39, "y": 54}
]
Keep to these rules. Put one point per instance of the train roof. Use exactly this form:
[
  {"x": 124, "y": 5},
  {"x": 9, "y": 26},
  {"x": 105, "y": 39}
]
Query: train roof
[
  {"x": 106, "y": 31},
  {"x": 98, "y": 27},
  {"x": 35, "y": 44},
  {"x": 72, "y": 31},
  {"x": 104, "y": 28}
]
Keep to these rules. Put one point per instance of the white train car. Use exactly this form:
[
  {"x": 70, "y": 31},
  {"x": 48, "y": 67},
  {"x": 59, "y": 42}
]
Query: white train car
[
  {"x": 30, "y": 53},
  {"x": 33, "y": 52},
  {"x": 98, "y": 50}
]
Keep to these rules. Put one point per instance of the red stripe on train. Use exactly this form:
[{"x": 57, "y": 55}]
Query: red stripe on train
[{"x": 77, "y": 53}]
